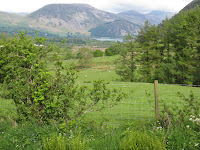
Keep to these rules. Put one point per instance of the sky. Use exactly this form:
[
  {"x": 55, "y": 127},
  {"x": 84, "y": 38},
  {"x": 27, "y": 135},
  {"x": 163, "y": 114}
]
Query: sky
[{"x": 115, "y": 6}]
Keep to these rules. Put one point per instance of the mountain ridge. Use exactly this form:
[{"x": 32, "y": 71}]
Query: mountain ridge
[
  {"x": 67, "y": 19},
  {"x": 191, "y": 5},
  {"x": 154, "y": 17}
]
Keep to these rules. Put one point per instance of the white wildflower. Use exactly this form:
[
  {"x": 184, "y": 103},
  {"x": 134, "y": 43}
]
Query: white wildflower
[
  {"x": 191, "y": 119},
  {"x": 159, "y": 128}
]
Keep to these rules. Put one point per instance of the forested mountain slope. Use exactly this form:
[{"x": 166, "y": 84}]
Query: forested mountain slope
[
  {"x": 117, "y": 28},
  {"x": 191, "y": 5}
]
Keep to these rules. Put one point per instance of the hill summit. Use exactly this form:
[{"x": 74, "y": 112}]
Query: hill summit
[{"x": 75, "y": 17}]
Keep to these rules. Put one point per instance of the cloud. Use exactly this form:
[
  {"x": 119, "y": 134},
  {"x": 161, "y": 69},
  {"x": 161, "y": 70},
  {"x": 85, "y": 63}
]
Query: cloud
[
  {"x": 107, "y": 5},
  {"x": 147, "y": 5}
]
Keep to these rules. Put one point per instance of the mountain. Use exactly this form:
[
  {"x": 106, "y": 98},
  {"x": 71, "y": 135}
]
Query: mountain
[
  {"x": 191, "y": 5},
  {"x": 117, "y": 28},
  {"x": 76, "y": 20},
  {"x": 134, "y": 16},
  {"x": 22, "y": 13},
  {"x": 161, "y": 14},
  {"x": 8, "y": 18},
  {"x": 154, "y": 17},
  {"x": 73, "y": 17},
  {"x": 11, "y": 23}
]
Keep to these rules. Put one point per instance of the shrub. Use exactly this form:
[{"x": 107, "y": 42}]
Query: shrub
[
  {"x": 69, "y": 55},
  {"x": 98, "y": 53},
  {"x": 181, "y": 123},
  {"x": 55, "y": 142},
  {"x": 138, "y": 140},
  {"x": 78, "y": 142},
  {"x": 41, "y": 95},
  {"x": 183, "y": 138},
  {"x": 108, "y": 52}
]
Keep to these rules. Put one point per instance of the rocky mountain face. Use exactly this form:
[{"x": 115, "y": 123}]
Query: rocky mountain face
[
  {"x": 115, "y": 28},
  {"x": 154, "y": 17},
  {"x": 68, "y": 19},
  {"x": 74, "y": 17}
]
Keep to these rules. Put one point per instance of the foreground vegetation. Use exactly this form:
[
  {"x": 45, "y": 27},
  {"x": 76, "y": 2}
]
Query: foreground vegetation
[{"x": 54, "y": 98}]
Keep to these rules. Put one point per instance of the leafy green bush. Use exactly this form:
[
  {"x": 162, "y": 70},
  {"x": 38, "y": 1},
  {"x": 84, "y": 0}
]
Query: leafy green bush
[
  {"x": 55, "y": 142},
  {"x": 138, "y": 140},
  {"x": 98, "y": 53},
  {"x": 183, "y": 138},
  {"x": 41, "y": 95},
  {"x": 77, "y": 142},
  {"x": 109, "y": 52},
  {"x": 69, "y": 55},
  {"x": 181, "y": 123}
]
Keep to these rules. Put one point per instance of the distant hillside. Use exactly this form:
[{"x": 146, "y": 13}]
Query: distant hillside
[
  {"x": 8, "y": 18},
  {"x": 77, "y": 20},
  {"x": 191, "y": 5},
  {"x": 134, "y": 16},
  {"x": 22, "y": 13},
  {"x": 154, "y": 17},
  {"x": 74, "y": 17},
  {"x": 117, "y": 28}
]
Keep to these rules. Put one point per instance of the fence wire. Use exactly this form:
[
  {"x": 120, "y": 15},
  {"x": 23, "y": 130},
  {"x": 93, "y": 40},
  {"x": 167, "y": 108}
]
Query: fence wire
[{"x": 138, "y": 105}]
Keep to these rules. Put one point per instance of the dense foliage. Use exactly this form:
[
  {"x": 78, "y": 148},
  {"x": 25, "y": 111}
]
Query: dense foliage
[
  {"x": 98, "y": 53},
  {"x": 125, "y": 65},
  {"x": 42, "y": 95},
  {"x": 170, "y": 52}
]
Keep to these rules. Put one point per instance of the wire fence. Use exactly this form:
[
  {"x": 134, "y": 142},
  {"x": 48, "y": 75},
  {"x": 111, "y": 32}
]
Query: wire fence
[{"x": 138, "y": 105}]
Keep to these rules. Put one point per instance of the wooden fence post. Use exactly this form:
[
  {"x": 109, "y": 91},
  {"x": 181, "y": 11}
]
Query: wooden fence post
[{"x": 156, "y": 99}]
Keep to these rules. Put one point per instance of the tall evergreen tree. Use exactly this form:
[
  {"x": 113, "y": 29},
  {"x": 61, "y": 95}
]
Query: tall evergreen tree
[
  {"x": 150, "y": 54},
  {"x": 126, "y": 63}
]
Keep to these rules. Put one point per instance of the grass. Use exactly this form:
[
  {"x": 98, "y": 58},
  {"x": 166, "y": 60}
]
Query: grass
[
  {"x": 138, "y": 105},
  {"x": 102, "y": 129}
]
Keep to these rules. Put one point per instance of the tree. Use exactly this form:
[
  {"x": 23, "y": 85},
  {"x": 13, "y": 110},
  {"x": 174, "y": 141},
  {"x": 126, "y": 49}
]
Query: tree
[
  {"x": 148, "y": 39},
  {"x": 85, "y": 57},
  {"x": 114, "y": 49},
  {"x": 98, "y": 53},
  {"x": 42, "y": 95},
  {"x": 125, "y": 65}
]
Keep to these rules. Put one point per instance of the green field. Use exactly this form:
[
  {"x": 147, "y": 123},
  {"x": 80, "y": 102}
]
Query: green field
[{"x": 139, "y": 103}]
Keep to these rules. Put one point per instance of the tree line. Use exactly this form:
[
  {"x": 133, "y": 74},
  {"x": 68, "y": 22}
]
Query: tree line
[{"x": 169, "y": 52}]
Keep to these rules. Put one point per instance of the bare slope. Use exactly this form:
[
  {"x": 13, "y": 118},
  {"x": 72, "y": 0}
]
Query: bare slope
[{"x": 74, "y": 17}]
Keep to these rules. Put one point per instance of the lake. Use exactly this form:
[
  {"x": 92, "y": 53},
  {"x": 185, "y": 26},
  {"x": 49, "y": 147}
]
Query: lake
[{"x": 105, "y": 39}]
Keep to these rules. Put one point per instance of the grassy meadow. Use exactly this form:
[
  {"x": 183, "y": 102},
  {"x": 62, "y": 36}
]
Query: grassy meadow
[
  {"x": 132, "y": 117},
  {"x": 139, "y": 103}
]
